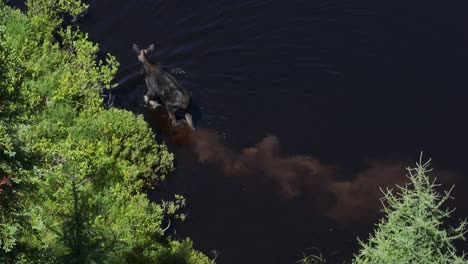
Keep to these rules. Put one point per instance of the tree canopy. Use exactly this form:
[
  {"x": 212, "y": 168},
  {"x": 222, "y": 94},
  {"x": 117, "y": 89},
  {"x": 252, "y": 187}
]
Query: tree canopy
[{"x": 73, "y": 171}]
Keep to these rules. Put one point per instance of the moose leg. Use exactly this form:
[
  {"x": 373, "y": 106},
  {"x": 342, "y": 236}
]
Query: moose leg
[
  {"x": 171, "y": 111},
  {"x": 151, "y": 99},
  {"x": 188, "y": 117},
  {"x": 150, "y": 95},
  {"x": 154, "y": 104}
]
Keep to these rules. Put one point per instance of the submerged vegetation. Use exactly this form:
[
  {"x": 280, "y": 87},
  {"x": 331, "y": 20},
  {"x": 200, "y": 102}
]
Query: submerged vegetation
[{"x": 73, "y": 172}]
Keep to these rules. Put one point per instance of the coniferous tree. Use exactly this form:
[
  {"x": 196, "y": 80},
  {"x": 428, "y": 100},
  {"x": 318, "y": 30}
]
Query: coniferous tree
[{"x": 413, "y": 229}]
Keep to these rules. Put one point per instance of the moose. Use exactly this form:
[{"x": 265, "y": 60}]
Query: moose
[{"x": 163, "y": 88}]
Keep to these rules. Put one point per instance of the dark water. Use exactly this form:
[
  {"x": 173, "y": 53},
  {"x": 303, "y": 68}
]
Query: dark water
[{"x": 341, "y": 80}]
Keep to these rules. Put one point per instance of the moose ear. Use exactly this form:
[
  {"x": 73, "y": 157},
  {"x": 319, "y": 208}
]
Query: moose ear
[
  {"x": 136, "y": 49},
  {"x": 150, "y": 48}
]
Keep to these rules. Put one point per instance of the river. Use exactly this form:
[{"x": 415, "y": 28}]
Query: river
[{"x": 343, "y": 81}]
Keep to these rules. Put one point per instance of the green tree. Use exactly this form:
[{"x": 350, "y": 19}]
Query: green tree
[
  {"x": 413, "y": 230},
  {"x": 72, "y": 172}
]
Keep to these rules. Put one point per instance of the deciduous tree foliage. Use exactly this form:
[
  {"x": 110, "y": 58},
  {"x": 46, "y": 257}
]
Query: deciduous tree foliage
[{"x": 72, "y": 172}]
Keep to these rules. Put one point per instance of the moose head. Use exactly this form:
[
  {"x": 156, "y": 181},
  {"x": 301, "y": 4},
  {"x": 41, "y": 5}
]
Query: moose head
[{"x": 143, "y": 52}]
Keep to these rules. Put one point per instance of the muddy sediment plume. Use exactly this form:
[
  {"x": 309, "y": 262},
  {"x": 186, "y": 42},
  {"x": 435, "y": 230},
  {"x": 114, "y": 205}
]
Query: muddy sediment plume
[
  {"x": 358, "y": 199},
  {"x": 290, "y": 176},
  {"x": 301, "y": 176},
  {"x": 353, "y": 200},
  {"x": 346, "y": 201}
]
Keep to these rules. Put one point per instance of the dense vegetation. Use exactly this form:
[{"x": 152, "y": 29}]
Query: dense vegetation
[{"x": 73, "y": 172}]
